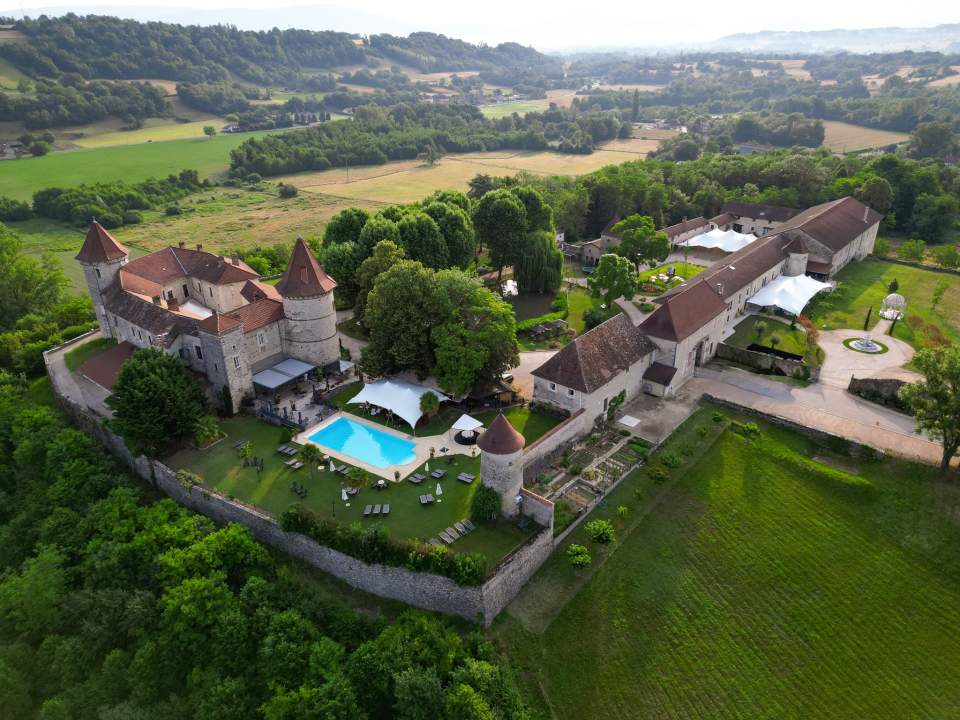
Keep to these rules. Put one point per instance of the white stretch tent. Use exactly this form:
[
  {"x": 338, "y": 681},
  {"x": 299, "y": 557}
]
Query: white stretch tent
[
  {"x": 726, "y": 240},
  {"x": 399, "y": 397},
  {"x": 790, "y": 293}
]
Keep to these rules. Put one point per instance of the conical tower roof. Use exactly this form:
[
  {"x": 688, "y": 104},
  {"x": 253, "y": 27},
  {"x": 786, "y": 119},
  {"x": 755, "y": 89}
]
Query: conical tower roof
[
  {"x": 304, "y": 276},
  {"x": 100, "y": 246},
  {"x": 501, "y": 438}
]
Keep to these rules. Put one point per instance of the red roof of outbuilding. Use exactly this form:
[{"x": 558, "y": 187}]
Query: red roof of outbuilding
[
  {"x": 304, "y": 276},
  {"x": 100, "y": 246},
  {"x": 501, "y": 438},
  {"x": 217, "y": 323}
]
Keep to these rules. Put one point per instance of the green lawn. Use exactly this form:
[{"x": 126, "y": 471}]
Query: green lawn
[
  {"x": 864, "y": 284},
  {"x": 78, "y": 356},
  {"x": 19, "y": 179},
  {"x": 682, "y": 269},
  {"x": 579, "y": 301},
  {"x": 760, "y": 584},
  {"x": 530, "y": 423},
  {"x": 792, "y": 341},
  {"x": 222, "y": 469}
]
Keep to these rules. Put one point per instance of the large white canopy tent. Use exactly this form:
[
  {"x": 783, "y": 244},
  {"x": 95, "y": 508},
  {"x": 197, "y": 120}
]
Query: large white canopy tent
[
  {"x": 727, "y": 240},
  {"x": 467, "y": 425},
  {"x": 399, "y": 397},
  {"x": 790, "y": 293}
]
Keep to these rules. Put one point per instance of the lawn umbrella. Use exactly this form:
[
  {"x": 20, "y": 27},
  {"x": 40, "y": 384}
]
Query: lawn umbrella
[
  {"x": 343, "y": 494},
  {"x": 439, "y": 489}
]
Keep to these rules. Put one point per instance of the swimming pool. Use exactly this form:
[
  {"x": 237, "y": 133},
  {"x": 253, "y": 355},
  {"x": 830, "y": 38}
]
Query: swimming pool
[{"x": 365, "y": 443}]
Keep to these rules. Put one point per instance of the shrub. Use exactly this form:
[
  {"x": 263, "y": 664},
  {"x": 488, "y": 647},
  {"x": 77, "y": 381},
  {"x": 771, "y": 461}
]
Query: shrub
[
  {"x": 205, "y": 431},
  {"x": 173, "y": 210},
  {"x": 563, "y": 515},
  {"x": 648, "y": 307},
  {"x": 288, "y": 191},
  {"x": 575, "y": 470},
  {"x": 622, "y": 511},
  {"x": 132, "y": 217},
  {"x": 13, "y": 210},
  {"x": 658, "y": 475},
  {"x": 253, "y": 178},
  {"x": 593, "y": 317},
  {"x": 600, "y": 531},
  {"x": 579, "y": 556},
  {"x": 912, "y": 250},
  {"x": 702, "y": 431},
  {"x": 110, "y": 220},
  {"x": 469, "y": 568},
  {"x": 670, "y": 460},
  {"x": 881, "y": 248},
  {"x": 718, "y": 416},
  {"x": 188, "y": 479},
  {"x": 748, "y": 430},
  {"x": 485, "y": 505}
]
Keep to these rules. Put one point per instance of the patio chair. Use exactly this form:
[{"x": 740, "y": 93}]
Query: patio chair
[
  {"x": 296, "y": 465},
  {"x": 433, "y": 541},
  {"x": 385, "y": 510},
  {"x": 469, "y": 525},
  {"x": 446, "y": 538},
  {"x": 292, "y": 450},
  {"x": 452, "y": 533},
  {"x": 282, "y": 449},
  {"x": 417, "y": 478},
  {"x": 376, "y": 509},
  {"x": 367, "y": 510},
  {"x": 342, "y": 469},
  {"x": 429, "y": 498}
]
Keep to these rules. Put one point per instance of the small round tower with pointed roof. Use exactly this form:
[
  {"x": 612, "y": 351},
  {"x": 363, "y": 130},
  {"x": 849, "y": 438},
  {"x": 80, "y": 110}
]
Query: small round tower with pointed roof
[
  {"x": 501, "y": 462},
  {"x": 101, "y": 257},
  {"x": 310, "y": 327}
]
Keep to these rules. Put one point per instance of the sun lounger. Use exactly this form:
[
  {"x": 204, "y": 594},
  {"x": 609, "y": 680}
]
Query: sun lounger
[
  {"x": 282, "y": 449},
  {"x": 296, "y": 465},
  {"x": 288, "y": 463},
  {"x": 417, "y": 478},
  {"x": 367, "y": 510},
  {"x": 342, "y": 469},
  {"x": 352, "y": 491},
  {"x": 446, "y": 538},
  {"x": 291, "y": 450},
  {"x": 452, "y": 533},
  {"x": 433, "y": 541},
  {"x": 460, "y": 528},
  {"x": 469, "y": 525},
  {"x": 385, "y": 510},
  {"x": 465, "y": 478},
  {"x": 238, "y": 443},
  {"x": 438, "y": 473},
  {"x": 376, "y": 509},
  {"x": 429, "y": 498}
]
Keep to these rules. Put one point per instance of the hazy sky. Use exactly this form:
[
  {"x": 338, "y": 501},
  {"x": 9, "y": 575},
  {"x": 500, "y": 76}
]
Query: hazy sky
[{"x": 551, "y": 25}]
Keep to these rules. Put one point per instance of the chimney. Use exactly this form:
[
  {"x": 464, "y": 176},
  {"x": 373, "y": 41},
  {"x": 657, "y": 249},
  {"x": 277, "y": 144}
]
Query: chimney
[
  {"x": 720, "y": 289},
  {"x": 199, "y": 247},
  {"x": 182, "y": 244},
  {"x": 235, "y": 260}
]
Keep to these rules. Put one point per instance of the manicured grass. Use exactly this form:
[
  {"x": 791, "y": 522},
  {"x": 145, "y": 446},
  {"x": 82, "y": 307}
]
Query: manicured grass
[
  {"x": 685, "y": 270},
  {"x": 221, "y": 468},
  {"x": 351, "y": 328},
  {"x": 78, "y": 356},
  {"x": 154, "y": 130},
  {"x": 19, "y": 179},
  {"x": 762, "y": 584},
  {"x": 745, "y": 334},
  {"x": 864, "y": 284},
  {"x": 530, "y": 423}
]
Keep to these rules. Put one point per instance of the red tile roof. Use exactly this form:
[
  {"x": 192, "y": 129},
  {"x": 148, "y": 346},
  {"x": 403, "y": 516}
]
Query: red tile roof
[
  {"x": 759, "y": 211},
  {"x": 255, "y": 290},
  {"x": 217, "y": 323},
  {"x": 685, "y": 227},
  {"x": 304, "y": 276},
  {"x": 258, "y": 313},
  {"x": 100, "y": 246},
  {"x": 501, "y": 438},
  {"x": 684, "y": 312},
  {"x": 164, "y": 266},
  {"x": 834, "y": 224},
  {"x": 104, "y": 368}
]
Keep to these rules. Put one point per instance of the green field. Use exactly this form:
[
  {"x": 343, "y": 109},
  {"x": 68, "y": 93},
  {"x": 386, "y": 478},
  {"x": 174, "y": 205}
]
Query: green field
[
  {"x": 759, "y": 581},
  {"x": 791, "y": 341},
  {"x": 132, "y": 163},
  {"x": 9, "y": 76},
  {"x": 221, "y": 467},
  {"x": 864, "y": 284}
]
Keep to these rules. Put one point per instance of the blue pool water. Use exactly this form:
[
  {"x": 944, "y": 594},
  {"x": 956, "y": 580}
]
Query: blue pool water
[{"x": 365, "y": 443}]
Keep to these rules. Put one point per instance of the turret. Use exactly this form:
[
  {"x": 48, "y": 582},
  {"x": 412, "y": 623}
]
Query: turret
[
  {"x": 101, "y": 257},
  {"x": 310, "y": 325},
  {"x": 501, "y": 462}
]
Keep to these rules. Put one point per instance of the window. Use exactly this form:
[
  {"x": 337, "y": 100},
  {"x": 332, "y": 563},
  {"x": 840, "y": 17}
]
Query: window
[
  {"x": 606, "y": 403},
  {"x": 570, "y": 393},
  {"x": 196, "y": 349},
  {"x": 98, "y": 272},
  {"x": 170, "y": 295},
  {"x": 737, "y": 227},
  {"x": 184, "y": 355},
  {"x": 186, "y": 291},
  {"x": 215, "y": 368},
  {"x": 553, "y": 386},
  {"x": 210, "y": 290},
  {"x": 261, "y": 340},
  {"x": 236, "y": 361}
]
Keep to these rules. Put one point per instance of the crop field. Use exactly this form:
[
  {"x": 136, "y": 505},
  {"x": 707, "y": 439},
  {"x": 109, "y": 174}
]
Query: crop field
[
  {"x": 408, "y": 180},
  {"x": 947, "y": 81},
  {"x": 864, "y": 284},
  {"x": 795, "y": 68},
  {"x": 153, "y": 130},
  {"x": 563, "y": 98},
  {"x": 21, "y": 178},
  {"x": 630, "y": 87},
  {"x": 759, "y": 581},
  {"x": 844, "y": 137}
]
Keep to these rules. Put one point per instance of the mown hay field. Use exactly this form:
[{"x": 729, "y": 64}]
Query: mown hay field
[
  {"x": 759, "y": 581},
  {"x": 844, "y": 137},
  {"x": 562, "y": 98}
]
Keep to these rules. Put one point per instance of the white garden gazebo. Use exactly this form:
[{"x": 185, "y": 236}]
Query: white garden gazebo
[{"x": 892, "y": 307}]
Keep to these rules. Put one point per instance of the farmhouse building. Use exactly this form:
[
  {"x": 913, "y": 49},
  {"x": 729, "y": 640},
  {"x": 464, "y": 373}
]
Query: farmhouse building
[
  {"x": 211, "y": 311},
  {"x": 662, "y": 352}
]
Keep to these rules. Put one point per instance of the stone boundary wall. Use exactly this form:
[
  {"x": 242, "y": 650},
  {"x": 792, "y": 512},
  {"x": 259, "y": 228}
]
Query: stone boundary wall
[
  {"x": 883, "y": 391},
  {"x": 424, "y": 590},
  {"x": 765, "y": 362},
  {"x": 553, "y": 443},
  {"x": 856, "y": 449},
  {"x": 537, "y": 508},
  {"x": 918, "y": 266}
]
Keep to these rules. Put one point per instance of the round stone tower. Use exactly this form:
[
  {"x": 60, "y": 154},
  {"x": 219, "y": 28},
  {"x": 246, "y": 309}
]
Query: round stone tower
[
  {"x": 501, "y": 462},
  {"x": 310, "y": 325},
  {"x": 101, "y": 257}
]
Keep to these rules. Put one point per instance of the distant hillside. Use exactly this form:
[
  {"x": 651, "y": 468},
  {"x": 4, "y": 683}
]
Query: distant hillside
[
  {"x": 945, "y": 38},
  {"x": 96, "y": 46}
]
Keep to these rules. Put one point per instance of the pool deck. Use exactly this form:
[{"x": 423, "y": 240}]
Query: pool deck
[{"x": 421, "y": 446}]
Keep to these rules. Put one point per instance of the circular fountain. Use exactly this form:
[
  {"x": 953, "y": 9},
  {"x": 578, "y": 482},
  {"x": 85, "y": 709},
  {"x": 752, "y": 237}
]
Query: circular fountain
[{"x": 866, "y": 345}]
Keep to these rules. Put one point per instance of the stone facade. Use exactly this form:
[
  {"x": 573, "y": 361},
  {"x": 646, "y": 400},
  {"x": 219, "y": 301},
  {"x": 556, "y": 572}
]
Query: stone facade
[
  {"x": 310, "y": 329},
  {"x": 99, "y": 277},
  {"x": 226, "y": 363},
  {"x": 767, "y": 363},
  {"x": 503, "y": 473}
]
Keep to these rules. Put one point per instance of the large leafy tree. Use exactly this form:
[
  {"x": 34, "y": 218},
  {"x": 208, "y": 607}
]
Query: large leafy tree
[
  {"x": 420, "y": 236},
  {"x": 385, "y": 255},
  {"x": 345, "y": 226},
  {"x": 640, "y": 242},
  {"x": 378, "y": 229},
  {"x": 935, "y": 400},
  {"x": 539, "y": 269},
  {"x": 500, "y": 221},
  {"x": 27, "y": 285},
  {"x": 155, "y": 401},
  {"x": 456, "y": 229},
  {"x": 341, "y": 261},
  {"x": 614, "y": 277}
]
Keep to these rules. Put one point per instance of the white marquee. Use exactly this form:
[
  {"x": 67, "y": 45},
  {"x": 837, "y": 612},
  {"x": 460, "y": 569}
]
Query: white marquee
[
  {"x": 727, "y": 240},
  {"x": 790, "y": 293},
  {"x": 399, "y": 397}
]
